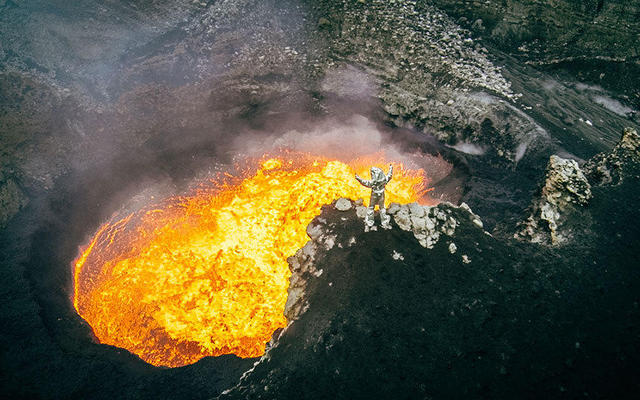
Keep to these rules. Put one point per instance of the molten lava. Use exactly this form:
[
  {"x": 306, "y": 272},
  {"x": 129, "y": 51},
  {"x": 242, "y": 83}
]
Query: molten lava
[{"x": 207, "y": 274}]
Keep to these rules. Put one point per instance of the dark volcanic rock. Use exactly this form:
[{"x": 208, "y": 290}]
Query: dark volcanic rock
[
  {"x": 593, "y": 28},
  {"x": 472, "y": 317},
  {"x": 599, "y": 38}
]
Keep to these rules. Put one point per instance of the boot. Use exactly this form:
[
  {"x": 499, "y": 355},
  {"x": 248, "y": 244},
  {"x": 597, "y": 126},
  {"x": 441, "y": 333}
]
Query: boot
[
  {"x": 385, "y": 219},
  {"x": 368, "y": 220}
]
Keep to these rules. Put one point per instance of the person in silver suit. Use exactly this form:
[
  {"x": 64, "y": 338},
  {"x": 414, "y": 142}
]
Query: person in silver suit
[{"x": 377, "y": 183}]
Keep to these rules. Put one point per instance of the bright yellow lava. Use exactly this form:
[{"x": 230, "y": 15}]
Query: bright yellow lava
[{"x": 206, "y": 274}]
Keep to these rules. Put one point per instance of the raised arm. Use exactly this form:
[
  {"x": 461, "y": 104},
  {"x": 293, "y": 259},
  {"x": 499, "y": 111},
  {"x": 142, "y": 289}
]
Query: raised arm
[
  {"x": 390, "y": 174},
  {"x": 363, "y": 182}
]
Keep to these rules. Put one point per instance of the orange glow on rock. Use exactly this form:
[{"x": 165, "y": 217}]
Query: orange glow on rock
[{"x": 206, "y": 274}]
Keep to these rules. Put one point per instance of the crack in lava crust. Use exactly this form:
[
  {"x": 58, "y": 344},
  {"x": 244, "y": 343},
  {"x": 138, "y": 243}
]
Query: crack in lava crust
[{"x": 207, "y": 274}]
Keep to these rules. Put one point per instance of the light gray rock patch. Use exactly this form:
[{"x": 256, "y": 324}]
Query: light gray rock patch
[
  {"x": 343, "y": 204},
  {"x": 453, "y": 248},
  {"x": 361, "y": 211},
  {"x": 426, "y": 223}
]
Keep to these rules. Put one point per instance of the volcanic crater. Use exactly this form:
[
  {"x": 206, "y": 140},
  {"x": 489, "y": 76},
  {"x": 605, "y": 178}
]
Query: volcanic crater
[{"x": 168, "y": 183}]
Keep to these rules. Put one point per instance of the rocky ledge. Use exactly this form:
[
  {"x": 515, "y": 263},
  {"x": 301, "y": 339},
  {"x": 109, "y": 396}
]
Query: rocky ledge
[
  {"x": 437, "y": 308},
  {"x": 429, "y": 224}
]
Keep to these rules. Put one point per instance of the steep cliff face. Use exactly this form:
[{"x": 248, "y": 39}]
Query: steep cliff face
[{"x": 564, "y": 28}]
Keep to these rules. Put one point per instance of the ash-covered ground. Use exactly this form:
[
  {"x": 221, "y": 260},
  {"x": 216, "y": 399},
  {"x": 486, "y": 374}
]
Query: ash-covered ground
[{"x": 101, "y": 102}]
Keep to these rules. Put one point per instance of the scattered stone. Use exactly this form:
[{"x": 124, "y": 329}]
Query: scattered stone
[
  {"x": 453, "y": 248},
  {"x": 329, "y": 241},
  {"x": 314, "y": 231},
  {"x": 393, "y": 208},
  {"x": 397, "y": 256},
  {"x": 466, "y": 259},
  {"x": 324, "y": 23},
  {"x": 416, "y": 210},
  {"x": 402, "y": 218},
  {"x": 361, "y": 211},
  {"x": 478, "y": 26},
  {"x": 343, "y": 204},
  {"x": 302, "y": 266},
  {"x": 472, "y": 216}
]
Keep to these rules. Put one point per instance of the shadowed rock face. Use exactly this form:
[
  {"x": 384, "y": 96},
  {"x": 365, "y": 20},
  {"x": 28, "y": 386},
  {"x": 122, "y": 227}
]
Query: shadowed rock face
[
  {"x": 565, "y": 28},
  {"x": 598, "y": 38}
]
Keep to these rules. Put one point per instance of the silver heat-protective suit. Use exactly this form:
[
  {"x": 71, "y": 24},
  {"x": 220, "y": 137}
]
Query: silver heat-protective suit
[{"x": 377, "y": 183}]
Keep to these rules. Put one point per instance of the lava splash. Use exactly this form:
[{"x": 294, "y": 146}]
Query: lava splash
[{"x": 207, "y": 274}]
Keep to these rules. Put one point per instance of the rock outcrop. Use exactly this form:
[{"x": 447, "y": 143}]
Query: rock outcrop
[
  {"x": 426, "y": 223},
  {"x": 612, "y": 167},
  {"x": 565, "y": 190}
]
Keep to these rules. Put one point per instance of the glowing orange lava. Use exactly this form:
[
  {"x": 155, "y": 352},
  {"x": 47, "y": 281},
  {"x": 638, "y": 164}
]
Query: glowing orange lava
[{"x": 206, "y": 274}]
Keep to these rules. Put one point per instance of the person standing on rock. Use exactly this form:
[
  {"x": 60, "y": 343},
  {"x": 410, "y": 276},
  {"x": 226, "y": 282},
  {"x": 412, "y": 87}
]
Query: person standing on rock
[{"x": 377, "y": 183}]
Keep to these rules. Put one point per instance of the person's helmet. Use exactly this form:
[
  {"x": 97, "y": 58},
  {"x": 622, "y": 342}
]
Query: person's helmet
[{"x": 377, "y": 175}]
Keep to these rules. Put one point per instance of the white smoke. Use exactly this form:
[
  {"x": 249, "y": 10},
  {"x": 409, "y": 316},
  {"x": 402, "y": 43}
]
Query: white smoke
[{"x": 344, "y": 141}]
